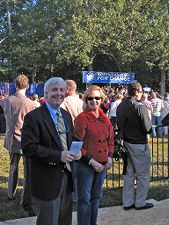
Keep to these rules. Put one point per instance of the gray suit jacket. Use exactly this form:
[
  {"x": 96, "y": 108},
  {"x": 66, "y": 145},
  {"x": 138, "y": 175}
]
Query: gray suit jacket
[{"x": 15, "y": 108}]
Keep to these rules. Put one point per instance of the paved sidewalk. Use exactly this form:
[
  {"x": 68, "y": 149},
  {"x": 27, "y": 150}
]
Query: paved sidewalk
[{"x": 159, "y": 215}]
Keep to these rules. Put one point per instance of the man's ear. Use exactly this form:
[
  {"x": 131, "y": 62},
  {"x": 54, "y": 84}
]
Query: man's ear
[
  {"x": 27, "y": 87},
  {"x": 45, "y": 94},
  {"x": 16, "y": 88},
  {"x": 67, "y": 90}
]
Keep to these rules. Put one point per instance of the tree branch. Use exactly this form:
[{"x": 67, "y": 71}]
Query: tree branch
[
  {"x": 3, "y": 39},
  {"x": 148, "y": 40}
]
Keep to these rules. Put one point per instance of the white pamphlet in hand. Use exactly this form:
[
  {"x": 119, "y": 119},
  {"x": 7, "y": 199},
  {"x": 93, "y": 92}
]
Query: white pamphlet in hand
[{"x": 76, "y": 146}]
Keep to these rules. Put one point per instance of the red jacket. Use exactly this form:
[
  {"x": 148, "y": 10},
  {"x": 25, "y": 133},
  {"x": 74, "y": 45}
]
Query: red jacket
[{"x": 97, "y": 135}]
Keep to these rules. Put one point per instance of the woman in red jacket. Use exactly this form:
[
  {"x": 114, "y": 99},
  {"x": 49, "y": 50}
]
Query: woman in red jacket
[{"x": 95, "y": 130}]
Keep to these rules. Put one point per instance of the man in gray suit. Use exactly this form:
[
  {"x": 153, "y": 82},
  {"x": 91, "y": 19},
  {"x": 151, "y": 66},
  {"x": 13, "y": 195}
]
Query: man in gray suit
[{"x": 15, "y": 108}]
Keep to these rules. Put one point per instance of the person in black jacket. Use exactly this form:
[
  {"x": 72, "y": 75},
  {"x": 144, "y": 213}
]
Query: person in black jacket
[
  {"x": 134, "y": 124},
  {"x": 165, "y": 120},
  {"x": 2, "y": 121},
  {"x": 46, "y": 144}
]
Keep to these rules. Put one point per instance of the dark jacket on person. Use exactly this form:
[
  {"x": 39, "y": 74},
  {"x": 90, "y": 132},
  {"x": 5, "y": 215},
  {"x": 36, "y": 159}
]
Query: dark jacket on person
[
  {"x": 2, "y": 121},
  {"x": 165, "y": 120},
  {"x": 42, "y": 144},
  {"x": 133, "y": 121}
]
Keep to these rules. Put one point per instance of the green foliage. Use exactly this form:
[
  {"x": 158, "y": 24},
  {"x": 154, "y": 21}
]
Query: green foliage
[{"x": 49, "y": 35}]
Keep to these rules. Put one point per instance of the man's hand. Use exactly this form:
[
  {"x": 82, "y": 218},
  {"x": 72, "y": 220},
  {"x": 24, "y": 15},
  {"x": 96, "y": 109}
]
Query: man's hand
[
  {"x": 66, "y": 156},
  {"x": 78, "y": 156}
]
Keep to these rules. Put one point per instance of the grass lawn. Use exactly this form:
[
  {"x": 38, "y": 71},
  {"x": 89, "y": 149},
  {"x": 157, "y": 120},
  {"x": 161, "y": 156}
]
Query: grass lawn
[{"x": 12, "y": 209}]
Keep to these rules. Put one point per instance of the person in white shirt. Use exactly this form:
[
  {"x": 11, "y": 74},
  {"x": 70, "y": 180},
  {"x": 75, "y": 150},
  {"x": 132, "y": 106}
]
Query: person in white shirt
[
  {"x": 113, "y": 108},
  {"x": 158, "y": 105}
]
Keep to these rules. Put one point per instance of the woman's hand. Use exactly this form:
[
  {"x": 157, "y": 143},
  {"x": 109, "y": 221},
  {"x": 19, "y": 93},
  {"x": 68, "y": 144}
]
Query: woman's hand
[
  {"x": 108, "y": 164},
  {"x": 98, "y": 167}
]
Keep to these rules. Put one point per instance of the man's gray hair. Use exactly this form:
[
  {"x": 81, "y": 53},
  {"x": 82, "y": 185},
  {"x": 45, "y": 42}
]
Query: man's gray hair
[{"x": 52, "y": 81}]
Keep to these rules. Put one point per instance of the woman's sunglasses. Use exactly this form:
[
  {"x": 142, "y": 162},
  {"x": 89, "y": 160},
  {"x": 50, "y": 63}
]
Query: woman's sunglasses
[{"x": 91, "y": 98}]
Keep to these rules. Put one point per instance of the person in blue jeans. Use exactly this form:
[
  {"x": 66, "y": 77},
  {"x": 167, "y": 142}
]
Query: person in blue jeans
[
  {"x": 157, "y": 131},
  {"x": 157, "y": 105},
  {"x": 95, "y": 130}
]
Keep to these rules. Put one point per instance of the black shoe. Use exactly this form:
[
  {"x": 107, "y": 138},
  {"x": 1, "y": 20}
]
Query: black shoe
[
  {"x": 129, "y": 207},
  {"x": 146, "y": 206},
  {"x": 30, "y": 213},
  {"x": 11, "y": 199}
]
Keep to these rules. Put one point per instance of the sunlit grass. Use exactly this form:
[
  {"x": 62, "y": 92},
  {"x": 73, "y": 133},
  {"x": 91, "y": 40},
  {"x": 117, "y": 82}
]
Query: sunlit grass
[
  {"x": 9, "y": 209},
  {"x": 112, "y": 193},
  {"x": 159, "y": 164}
]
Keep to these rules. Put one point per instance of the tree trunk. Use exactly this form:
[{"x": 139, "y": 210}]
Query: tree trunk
[
  {"x": 90, "y": 67},
  {"x": 9, "y": 32},
  {"x": 163, "y": 81},
  {"x": 8, "y": 18},
  {"x": 33, "y": 75}
]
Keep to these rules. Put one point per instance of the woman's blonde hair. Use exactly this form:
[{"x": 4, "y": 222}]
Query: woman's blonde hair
[{"x": 94, "y": 88}]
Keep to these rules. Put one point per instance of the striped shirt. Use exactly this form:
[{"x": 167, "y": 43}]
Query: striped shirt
[{"x": 158, "y": 105}]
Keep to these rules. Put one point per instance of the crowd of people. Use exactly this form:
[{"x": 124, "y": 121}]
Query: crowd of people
[
  {"x": 42, "y": 131},
  {"x": 156, "y": 105}
]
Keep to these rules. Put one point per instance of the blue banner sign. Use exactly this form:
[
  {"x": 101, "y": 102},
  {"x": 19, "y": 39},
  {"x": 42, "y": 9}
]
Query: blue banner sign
[
  {"x": 9, "y": 89},
  {"x": 107, "y": 77}
]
